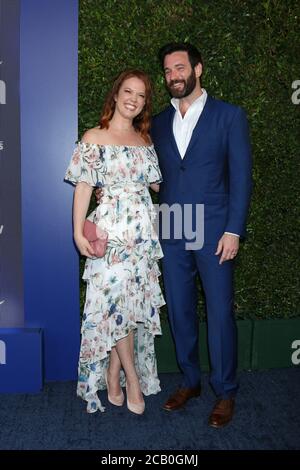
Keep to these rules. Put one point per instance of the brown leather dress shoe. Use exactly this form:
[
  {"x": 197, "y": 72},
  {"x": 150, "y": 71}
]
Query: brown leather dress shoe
[
  {"x": 222, "y": 413},
  {"x": 180, "y": 397}
]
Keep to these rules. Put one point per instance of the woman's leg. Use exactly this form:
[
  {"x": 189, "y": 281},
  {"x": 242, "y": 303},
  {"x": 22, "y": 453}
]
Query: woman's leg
[
  {"x": 113, "y": 373},
  {"x": 125, "y": 350}
]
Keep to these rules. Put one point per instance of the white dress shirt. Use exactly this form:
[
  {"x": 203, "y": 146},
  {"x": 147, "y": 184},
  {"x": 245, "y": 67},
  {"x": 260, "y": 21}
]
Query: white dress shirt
[{"x": 183, "y": 127}]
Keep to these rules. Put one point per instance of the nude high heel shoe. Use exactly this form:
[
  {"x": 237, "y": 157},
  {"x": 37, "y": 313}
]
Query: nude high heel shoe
[
  {"x": 137, "y": 408},
  {"x": 117, "y": 400}
]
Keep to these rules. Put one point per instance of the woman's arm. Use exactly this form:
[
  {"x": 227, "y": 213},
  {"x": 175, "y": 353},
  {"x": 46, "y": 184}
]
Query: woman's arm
[{"x": 82, "y": 197}]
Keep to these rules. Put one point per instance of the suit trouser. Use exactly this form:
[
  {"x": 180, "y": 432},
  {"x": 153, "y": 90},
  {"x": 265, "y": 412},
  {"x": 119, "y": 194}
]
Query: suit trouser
[{"x": 180, "y": 269}]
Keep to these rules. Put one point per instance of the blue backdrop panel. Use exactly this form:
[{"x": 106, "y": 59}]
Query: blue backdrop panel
[
  {"x": 11, "y": 284},
  {"x": 21, "y": 360},
  {"x": 48, "y": 69}
]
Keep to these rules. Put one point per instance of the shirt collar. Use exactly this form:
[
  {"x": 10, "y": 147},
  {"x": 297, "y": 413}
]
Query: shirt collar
[{"x": 200, "y": 101}]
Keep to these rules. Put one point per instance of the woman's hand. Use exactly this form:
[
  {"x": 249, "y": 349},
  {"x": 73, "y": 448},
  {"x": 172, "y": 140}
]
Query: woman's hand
[{"x": 83, "y": 246}]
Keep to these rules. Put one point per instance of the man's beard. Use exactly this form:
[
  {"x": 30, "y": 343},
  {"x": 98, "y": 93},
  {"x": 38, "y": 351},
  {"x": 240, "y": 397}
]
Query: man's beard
[{"x": 189, "y": 86}]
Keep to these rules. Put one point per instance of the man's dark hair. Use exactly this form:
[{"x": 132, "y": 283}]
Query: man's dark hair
[{"x": 193, "y": 53}]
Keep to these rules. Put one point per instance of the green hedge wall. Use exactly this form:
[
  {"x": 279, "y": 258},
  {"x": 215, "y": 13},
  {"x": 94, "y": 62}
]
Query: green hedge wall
[{"x": 251, "y": 51}]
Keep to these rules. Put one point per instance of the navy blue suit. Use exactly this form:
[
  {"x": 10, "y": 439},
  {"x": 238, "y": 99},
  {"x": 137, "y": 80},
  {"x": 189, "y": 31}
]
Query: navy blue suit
[{"x": 216, "y": 172}]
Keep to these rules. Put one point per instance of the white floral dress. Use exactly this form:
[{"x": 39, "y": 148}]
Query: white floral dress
[{"x": 123, "y": 292}]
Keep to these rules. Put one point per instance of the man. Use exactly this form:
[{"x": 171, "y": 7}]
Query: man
[{"x": 205, "y": 158}]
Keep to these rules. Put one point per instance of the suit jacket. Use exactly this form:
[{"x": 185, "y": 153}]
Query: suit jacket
[{"x": 216, "y": 168}]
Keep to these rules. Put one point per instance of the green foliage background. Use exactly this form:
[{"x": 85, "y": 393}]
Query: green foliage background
[{"x": 251, "y": 57}]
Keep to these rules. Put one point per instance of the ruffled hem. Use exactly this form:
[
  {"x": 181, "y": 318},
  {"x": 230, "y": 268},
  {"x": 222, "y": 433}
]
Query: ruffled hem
[
  {"x": 91, "y": 377},
  {"x": 131, "y": 304},
  {"x": 103, "y": 328},
  {"x": 87, "y": 165}
]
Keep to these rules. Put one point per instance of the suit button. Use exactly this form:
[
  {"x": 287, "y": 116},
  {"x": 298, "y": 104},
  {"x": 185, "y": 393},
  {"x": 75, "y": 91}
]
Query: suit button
[{"x": 182, "y": 168}]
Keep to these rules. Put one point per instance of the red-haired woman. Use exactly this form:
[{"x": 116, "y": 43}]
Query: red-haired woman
[{"x": 121, "y": 314}]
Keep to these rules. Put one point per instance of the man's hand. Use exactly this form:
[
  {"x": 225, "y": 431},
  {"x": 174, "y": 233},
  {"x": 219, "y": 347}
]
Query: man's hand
[
  {"x": 98, "y": 195},
  {"x": 154, "y": 187},
  {"x": 84, "y": 246},
  {"x": 229, "y": 246}
]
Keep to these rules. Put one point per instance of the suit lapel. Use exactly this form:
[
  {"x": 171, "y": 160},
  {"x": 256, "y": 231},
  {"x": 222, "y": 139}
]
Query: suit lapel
[{"x": 201, "y": 127}]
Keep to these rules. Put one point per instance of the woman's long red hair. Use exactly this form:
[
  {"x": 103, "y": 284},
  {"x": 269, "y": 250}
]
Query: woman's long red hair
[{"x": 141, "y": 122}]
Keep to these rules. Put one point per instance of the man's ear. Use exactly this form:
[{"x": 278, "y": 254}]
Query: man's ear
[{"x": 198, "y": 70}]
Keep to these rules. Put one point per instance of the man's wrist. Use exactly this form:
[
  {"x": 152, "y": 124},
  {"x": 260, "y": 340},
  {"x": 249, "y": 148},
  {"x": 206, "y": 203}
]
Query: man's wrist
[{"x": 230, "y": 233}]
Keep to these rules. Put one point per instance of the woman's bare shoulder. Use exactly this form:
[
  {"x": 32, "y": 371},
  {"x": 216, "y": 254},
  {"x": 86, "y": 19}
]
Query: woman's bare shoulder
[{"x": 94, "y": 136}]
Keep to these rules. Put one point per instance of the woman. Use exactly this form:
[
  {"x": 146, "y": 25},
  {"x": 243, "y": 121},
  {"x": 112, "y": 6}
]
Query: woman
[{"x": 121, "y": 314}]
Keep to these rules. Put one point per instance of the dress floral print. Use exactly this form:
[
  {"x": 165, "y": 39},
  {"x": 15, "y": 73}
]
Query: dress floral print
[{"x": 123, "y": 292}]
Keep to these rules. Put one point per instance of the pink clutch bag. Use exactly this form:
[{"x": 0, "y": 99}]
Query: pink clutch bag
[{"x": 97, "y": 237}]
